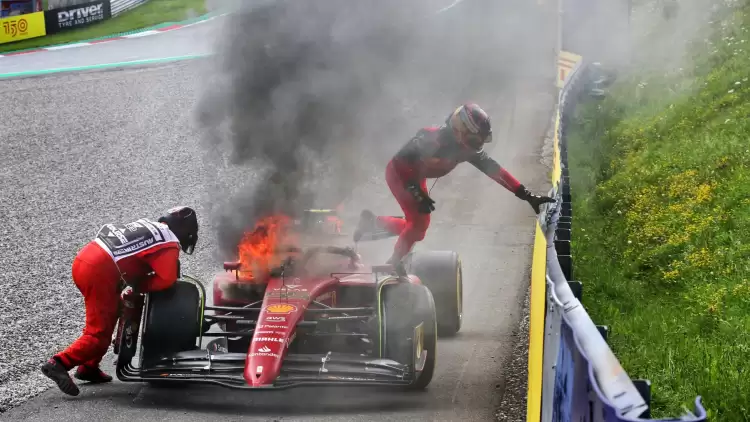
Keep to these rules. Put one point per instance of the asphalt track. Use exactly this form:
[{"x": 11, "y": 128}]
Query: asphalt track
[{"x": 72, "y": 141}]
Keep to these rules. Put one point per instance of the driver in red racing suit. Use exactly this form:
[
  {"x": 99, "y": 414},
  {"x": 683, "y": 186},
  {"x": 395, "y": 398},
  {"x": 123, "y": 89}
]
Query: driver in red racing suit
[
  {"x": 144, "y": 255},
  {"x": 433, "y": 153}
]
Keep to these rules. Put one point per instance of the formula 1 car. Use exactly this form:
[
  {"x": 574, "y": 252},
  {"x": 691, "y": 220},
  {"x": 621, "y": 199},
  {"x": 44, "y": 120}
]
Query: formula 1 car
[{"x": 321, "y": 317}]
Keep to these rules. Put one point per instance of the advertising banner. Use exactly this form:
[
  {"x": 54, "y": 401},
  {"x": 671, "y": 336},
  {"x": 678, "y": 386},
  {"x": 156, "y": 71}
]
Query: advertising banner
[
  {"x": 22, "y": 27},
  {"x": 76, "y": 16}
]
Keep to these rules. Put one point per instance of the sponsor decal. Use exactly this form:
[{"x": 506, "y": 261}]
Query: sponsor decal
[
  {"x": 281, "y": 308},
  {"x": 259, "y": 370},
  {"x": 75, "y": 16},
  {"x": 167, "y": 375},
  {"x": 263, "y": 351},
  {"x": 331, "y": 377},
  {"x": 289, "y": 294},
  {"x": 266, "y": 332},
  {"x": 21, "y": 27},
  {"x": 265, "y": 326},
  {"x": 276, "y": 318},
  {"x": 276, "y": 339},
  {"x": 252, "y": 355}
]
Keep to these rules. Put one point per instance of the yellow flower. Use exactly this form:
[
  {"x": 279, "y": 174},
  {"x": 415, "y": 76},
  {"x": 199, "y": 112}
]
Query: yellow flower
[{"x": 703, "y": 193}]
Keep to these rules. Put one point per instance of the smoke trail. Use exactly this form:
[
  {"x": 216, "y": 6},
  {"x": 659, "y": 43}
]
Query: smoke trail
[{"x": 301, "y": 80}]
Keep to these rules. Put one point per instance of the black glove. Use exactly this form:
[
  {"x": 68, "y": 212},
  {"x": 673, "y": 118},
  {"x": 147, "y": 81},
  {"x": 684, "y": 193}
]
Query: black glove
[
  {"x": 534, "y": 200},
  {"x": 426, "y": 204}
]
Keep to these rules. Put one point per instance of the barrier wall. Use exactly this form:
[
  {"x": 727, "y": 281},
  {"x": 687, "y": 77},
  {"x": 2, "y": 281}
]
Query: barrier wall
[{"x": 573, "y": 374}]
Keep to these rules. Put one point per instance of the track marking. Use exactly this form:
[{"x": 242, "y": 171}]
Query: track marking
[{"x": 100, "y": 66}]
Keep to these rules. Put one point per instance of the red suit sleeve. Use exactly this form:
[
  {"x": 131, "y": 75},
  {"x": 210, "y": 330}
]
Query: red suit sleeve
[
  {"x": 491, "y": 168},
  {"x": 164, "y": 264}
]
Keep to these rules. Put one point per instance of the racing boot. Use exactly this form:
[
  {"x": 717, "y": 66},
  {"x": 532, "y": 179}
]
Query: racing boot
[
  {"x": 92, "y": 375},
  {"x": 54, "y": 370},
  {"x": 398, "y": 267},
  {"x": 367, "y": 224}
]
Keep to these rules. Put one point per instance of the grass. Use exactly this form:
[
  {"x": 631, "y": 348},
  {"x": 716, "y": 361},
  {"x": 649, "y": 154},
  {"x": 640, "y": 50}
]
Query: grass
[
  {"x": 152, "y": 13},
  {"x": 660, "y": 174}
]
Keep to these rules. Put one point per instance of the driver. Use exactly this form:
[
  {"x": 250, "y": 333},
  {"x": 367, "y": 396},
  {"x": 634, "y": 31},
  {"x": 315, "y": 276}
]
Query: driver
[
  {"x": 433, "y": 153},
  {"x": 142, "y": 254}
]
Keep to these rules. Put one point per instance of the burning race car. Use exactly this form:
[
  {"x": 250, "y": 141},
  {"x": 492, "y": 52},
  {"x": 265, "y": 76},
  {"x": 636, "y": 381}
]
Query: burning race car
[{"x": 285, "y": 316}]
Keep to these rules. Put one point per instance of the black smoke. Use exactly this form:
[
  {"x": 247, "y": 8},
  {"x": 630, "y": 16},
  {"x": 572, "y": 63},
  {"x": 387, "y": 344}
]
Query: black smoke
[
  {"x": 313, "y": 91},
  {"x": 300, "y": 79}
]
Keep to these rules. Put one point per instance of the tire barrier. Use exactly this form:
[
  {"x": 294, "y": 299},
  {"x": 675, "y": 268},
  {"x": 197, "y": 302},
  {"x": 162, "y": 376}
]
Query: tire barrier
[{"x": 573, "y": 374}]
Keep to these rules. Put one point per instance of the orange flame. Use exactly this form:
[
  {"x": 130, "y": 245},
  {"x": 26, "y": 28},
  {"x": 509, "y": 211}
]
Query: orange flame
[{"x": 259, "y": 249}]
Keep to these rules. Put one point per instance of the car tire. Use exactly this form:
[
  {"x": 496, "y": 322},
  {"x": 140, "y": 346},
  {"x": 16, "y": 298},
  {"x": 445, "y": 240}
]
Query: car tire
[
  {"x": 442, "y": 273},
  {"x": 408, "y": 321},
  {"x": 173, "y": 321}
]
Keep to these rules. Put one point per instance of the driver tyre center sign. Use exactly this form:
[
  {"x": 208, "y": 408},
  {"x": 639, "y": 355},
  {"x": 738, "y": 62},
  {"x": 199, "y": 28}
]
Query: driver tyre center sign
[{"x": 76, "y": 16}]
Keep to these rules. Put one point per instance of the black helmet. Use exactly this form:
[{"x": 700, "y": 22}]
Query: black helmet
[
  {"x": 471, "y": 126},
  {"x": 183, "y": 222}
]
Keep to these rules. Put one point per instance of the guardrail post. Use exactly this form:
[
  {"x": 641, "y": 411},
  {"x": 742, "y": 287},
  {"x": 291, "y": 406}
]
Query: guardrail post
[
  {"x": 644, "y": 388},
  {"x": 577, "y": 288},
  {"x": 567, "y": 206},
  {"x": 562, "y": 247},
  {"x": 604, "y": 331}
]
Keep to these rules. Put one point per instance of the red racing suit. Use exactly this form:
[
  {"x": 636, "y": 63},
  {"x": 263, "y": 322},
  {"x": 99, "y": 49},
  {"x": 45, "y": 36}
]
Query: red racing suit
[
  {"x": 128, "y": 252},
  {"x": 432, "y": 153}
]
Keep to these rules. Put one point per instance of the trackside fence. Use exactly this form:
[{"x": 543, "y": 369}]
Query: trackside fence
[
  {"x": 120, "y": 6},
  {"x": 573, "y": 374}
]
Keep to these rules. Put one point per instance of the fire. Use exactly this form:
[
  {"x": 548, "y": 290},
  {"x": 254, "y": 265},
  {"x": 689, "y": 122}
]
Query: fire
[{"x": 259, "y": 249}]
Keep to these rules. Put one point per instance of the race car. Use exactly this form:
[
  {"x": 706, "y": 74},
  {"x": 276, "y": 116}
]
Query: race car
[{"x": 319, "y": 317}]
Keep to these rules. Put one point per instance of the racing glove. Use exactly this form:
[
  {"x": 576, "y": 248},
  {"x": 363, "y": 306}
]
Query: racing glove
[
  {"x": 534, "y": 200},
  {"x": 425, "y": 204}
]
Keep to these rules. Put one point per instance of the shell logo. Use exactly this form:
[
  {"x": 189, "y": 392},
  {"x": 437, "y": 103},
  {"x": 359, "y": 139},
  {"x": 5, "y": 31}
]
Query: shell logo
[{"x": 281, "y": 308}]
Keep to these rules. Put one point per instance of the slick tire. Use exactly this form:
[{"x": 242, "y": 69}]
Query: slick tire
[
  {"x": 408, "y": 329},
  {"x": 173, "y": 321},
  {"x": 441, "y": 272}
]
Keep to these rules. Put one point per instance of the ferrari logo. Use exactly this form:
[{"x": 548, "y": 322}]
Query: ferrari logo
[{"x": 281, "y": 308}]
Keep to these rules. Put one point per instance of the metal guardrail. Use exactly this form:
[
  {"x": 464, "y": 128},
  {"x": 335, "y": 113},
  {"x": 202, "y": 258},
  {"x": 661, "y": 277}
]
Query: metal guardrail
[
  {"x": 120, "y": 6},
  {"x": 581, "y": 378}
]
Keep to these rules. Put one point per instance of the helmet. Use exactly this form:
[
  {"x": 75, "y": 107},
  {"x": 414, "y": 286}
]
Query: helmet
[
  {"x": 471, "y": 126},
  {"x": 183, "y": 222}
]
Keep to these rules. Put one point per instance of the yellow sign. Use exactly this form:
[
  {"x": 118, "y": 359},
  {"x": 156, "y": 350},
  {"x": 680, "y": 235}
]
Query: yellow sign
[
  {"x": 22, "y": 27},
  {"x": 281, "y": 308},
  {"x": 566, "y": 62}
]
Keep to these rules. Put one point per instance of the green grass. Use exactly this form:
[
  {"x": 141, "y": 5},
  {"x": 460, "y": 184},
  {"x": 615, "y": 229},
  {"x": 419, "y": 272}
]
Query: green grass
[
  {"x": 152, "y": 13},
  {"x": 660, "y": 179}
]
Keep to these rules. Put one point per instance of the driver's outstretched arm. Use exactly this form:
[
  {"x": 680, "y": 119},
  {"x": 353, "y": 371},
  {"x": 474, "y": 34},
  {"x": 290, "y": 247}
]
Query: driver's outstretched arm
[{"x": 496, "y": 172}]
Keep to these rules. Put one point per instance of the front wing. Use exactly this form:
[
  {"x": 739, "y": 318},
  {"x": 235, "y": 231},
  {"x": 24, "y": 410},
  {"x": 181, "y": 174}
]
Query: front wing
[{"x": 226, "y": 369}]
